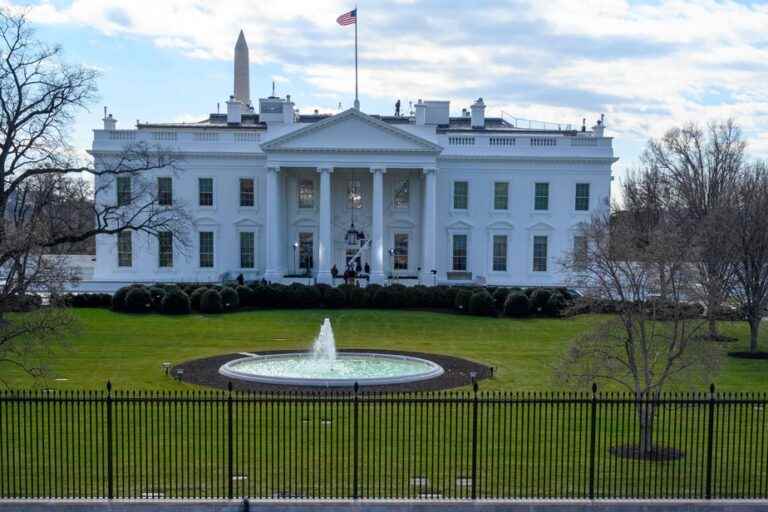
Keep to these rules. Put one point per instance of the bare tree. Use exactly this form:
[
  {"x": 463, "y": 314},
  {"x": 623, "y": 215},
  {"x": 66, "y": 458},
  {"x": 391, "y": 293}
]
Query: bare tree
[
  {"x": 44, "y": 180},
  {"x": 702, "y": 168},
  {"x": 637, "y": 258},
  {"x": 750, "y": 245}
]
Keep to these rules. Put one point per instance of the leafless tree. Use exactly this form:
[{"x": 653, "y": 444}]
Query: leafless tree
[
  {"x": 750, "y": 247},
  {"x": 43, "y": 181},
  {"x": 637, "y": 259},
  {"x": 702, "y": 168}
]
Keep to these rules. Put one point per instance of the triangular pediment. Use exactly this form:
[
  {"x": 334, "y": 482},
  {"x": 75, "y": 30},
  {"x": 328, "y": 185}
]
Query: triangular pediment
[{"x": 351, "y": 131}]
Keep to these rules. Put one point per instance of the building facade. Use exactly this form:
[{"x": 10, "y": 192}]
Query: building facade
[{"x": 424, "y": 197}]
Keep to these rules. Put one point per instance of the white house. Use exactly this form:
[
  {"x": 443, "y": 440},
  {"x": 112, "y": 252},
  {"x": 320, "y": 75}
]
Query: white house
[{"x": 419, "y": 197}]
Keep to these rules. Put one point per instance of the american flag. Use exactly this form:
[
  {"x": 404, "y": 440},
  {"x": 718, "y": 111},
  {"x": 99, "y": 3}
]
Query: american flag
[{"x": 348, "y": 18}]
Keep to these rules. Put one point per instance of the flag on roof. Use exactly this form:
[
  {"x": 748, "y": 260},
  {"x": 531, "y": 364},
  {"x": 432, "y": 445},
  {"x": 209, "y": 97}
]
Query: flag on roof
[{"x": 348, "y": 18}]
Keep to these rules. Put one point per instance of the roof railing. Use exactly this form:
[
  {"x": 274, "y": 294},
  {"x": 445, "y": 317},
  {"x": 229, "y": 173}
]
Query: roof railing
[{"x": 530, "y": 124}]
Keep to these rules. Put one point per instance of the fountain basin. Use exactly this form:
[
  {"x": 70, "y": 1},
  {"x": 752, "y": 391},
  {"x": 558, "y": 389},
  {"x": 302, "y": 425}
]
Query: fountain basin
[{"x": 302, "y": 369}]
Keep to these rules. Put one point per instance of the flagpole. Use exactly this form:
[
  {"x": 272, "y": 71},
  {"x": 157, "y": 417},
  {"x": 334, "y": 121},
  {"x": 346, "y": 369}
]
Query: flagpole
[{"x": 357, "y": 102}]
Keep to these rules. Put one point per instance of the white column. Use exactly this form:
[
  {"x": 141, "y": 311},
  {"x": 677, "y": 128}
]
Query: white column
[
  {"x": 428, "y": 262},
  {"x": 325, "y": 247},
  {"x": 273, "y": 271},
  {"x": 377, "y": 235}
]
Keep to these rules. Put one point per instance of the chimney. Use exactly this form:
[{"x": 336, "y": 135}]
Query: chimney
[
  {"x": 420, "y": 110},
  {"x": 599, "y": 128},
  {"x": 234, "y": 111},
  {"x": 478, "y": 113},
  {"x": 242, "y": 71},
  {"x": 110, "y": 123}
]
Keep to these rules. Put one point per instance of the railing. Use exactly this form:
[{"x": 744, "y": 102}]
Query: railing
[{"x": 457, "y": 445}]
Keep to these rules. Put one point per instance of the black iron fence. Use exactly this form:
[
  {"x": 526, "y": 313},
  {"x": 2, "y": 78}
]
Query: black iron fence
[{"x": 465, "y": 445}]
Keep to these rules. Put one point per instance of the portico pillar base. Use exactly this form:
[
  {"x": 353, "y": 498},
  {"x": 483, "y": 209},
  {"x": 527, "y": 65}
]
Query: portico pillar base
[
  {"x": 273, "y": 276},
  {"x": 377, "y": 278},
  {"x": 428, "y": 278},
  {"x": 324, "y": 278}
]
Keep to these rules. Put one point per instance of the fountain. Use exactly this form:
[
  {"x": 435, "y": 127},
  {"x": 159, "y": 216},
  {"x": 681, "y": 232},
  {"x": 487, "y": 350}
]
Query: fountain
[{"x": 323, "y": 366}]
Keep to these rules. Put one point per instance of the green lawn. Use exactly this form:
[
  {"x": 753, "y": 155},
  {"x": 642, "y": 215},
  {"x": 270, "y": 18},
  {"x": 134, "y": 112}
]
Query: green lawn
[{"x": 129, "y": 349}]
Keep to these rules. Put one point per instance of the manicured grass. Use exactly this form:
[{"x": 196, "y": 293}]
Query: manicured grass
[{"x": 129, "y": 349}]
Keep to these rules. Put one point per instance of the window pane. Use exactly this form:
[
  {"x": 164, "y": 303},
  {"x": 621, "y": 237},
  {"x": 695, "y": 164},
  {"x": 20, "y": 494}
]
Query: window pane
[
  {"x": 459, "y": 252},
  {"x": 306, "y": 194},
  {"x": 580, "y": 252},
  {"x": 247, "y": 249},
  {"x": 206, "y": 249},
  {"x": 402, "y": 194},
  {"x": 499, "y": 253},
  {"x": 354, "y": 195},
  {"x": 165, "y": 191},
  {"x": 246, "y": 192},
  {"x": 539, "y": 253},
  {"x": 401, "y": 251},
  {"x": 205, "y": 187},
  {"x": 123, "y": 190},
  {"x": 306, "y": 251},
  {"x": 582, "y": 196},
  {"x": 500, "y": 195},
  {"x": 125, "y": 249},
  {"x": 165, "y": 249},
  {"x": 541, "y": 201},
  {"x": 460, "y": 195}
]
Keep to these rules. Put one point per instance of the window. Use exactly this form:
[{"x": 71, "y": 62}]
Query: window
[
  {"x": 402, "y": 195},
  {"x": 124, "y": 249},
  {"x": 354, "y": 196},
  {"x": 247, "y": 249},
  {"x": 306, "y": 194},
  {"x": 580, "y": 253},
  {"x": 499, "y": 253},
  {"x": 459, "y": 255},
  {"x": 401, "y": 251},
  {"x": 206, "y": 249},
  {"x": 123, "y": 190},
  {"x": 541, "y": 199},
  {"x": 582, "y": 196},
  {"x": 165, "y": 191},
  {"x": 246, "y": 192},
  {"x": 540, "y": 253},
  {"x": 460, "y": 195},
  {"x": 165, "y": 249},
  {"x": 205, "y": 189},
  {"x": 500, "y": 195},
  {"x": 306, "y": 251}
]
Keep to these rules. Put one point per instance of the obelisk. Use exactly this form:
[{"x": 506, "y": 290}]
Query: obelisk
[{"x": 242, "y": 79}]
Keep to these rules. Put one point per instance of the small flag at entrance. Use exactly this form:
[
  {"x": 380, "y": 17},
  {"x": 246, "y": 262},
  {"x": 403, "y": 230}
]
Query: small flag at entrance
[{"x": 348, "y": 18}]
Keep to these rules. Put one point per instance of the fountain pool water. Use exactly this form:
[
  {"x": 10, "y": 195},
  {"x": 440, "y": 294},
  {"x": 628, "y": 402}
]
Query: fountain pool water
[{"x": 323, "y": 366}]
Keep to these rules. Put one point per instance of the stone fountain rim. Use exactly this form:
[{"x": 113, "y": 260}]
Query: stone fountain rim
[{"x": 435, "y": 370}]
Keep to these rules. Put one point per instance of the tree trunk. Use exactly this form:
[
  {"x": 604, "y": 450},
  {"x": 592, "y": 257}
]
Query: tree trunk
[
  {"x": 647, "y": 411},
  {"x": 712, "y": 327},
  {"x": 754, "y": 330}
]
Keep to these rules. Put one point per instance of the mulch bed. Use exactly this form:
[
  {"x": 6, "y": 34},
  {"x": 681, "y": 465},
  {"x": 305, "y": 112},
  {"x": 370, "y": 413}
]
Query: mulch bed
[
  {"x": 658, "y": 454},
  {"x": 749, "y": 355},
  {"x": 205, "y": 372}
]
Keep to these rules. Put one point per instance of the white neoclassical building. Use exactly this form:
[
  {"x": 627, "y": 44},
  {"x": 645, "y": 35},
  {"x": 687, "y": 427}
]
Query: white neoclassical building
[{"x": 423, "y": 197}]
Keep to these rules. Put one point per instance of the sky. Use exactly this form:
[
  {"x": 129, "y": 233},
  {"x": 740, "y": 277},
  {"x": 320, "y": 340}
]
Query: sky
[{"x": 647, "y": 65}]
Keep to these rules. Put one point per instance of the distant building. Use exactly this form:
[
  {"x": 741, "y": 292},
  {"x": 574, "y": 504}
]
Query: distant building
[{"x": 422, "y": 197}]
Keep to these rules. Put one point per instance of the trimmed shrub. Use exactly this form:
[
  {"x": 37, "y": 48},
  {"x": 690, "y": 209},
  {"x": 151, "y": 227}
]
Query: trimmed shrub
[
  {"x": 210, "y": 302},
  {"x": 358, "y": 297},
  {"x": 118, "y": 299},
  {"x": 442, "y": 297},
  {"x": 399, "y": 295},
  {"x": 322, "y": 288},
  {"x": 230, "y": 300},
  {"x": 138, "y": 300},
  {"x": 196, "y": 296},
  {"x": 539, "y": 299},
  {"x": 245, "y": 296},
  {"x": 157, "y": 293},
  {"x": 22, "y": 303},
  {"x": 262, "y": 296},
  {"x": 555, "y": 305},
  {"x": 176, "y": 302},
  {"x": 482, "y": 304},
  {"x": 334, "y": 298},
  {"x": 461, "y": 301},
  {"x": 383, "y": 298},
  {"x": 517, "y": 305},
  {"x": 499, "y": 297},
  {"x": 420, "y": 296}
]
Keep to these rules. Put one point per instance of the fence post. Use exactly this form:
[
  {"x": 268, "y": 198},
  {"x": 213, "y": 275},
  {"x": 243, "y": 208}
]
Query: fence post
[
  {"x": 474, "y": 439},
  {"x": 592, "y": 439},
  {"x": 356, "y": 442},
  {"x": 230, "y": 468},
  {"x": 710, "y": 440},
  {"x": 110, "y": 474}
]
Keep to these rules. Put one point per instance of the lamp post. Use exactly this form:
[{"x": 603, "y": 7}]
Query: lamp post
[
  {"x": 295, "y": 246},
  {"x": 392, "y": 262}
]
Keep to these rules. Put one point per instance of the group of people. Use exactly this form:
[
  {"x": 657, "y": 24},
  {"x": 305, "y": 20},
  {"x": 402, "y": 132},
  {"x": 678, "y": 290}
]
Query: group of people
[{"x": 352, "y": 272}]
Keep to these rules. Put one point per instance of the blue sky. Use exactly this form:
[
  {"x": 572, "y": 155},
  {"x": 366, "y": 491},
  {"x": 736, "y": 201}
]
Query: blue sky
[{"x": 648, "y": 66}]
